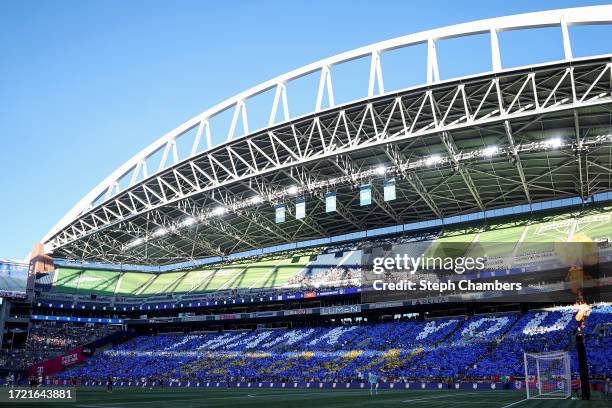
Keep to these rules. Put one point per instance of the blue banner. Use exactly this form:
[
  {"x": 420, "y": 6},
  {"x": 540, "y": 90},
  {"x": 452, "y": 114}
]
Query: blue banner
[
  {"x": 365, "y": 195},
  {"x": 390, "y": 190},
  {"x": 280, "y": 213},
  {"x": 330, "y": 202},
  {"x": 300, "y": 208}
]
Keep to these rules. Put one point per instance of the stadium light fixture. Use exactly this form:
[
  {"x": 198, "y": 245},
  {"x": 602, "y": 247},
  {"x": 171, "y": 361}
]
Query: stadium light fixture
[
  {"x": 219, "y": 211},
  {"x": 188, "y": 222},
  {"x": 256, "y": 199},
  {"x": 489, "y": 151},
  {"x": 381, "y": 170},
  {"x": 135, "y": 242},
  {"x": 293, "y": 190},
  {"x": 160, "y": 232},
  {"x": 554, "y": 143},
  {"x": 433, "y": 159}
]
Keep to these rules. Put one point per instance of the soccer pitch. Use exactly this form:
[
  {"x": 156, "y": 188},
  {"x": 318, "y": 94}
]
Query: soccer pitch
[{"x": 185, "y": 397}]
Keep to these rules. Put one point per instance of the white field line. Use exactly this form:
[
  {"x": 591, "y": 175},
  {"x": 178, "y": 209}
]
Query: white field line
[
  {"x": 441, "y": 396},
  {"x": 515, "y": 403}
]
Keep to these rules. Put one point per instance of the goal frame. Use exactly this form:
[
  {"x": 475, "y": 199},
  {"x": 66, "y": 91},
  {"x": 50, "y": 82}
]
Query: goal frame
[{"x": 559, "y": 392}]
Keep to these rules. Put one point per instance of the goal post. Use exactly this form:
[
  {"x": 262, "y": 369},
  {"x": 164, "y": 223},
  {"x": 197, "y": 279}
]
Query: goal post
[{"x": 548, "y": 375}]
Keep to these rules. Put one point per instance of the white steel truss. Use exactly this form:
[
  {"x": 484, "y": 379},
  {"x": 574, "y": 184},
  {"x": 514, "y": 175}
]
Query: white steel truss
[
  {"x": 285, "y": 151},
  {"x": 325, "y": 149}
]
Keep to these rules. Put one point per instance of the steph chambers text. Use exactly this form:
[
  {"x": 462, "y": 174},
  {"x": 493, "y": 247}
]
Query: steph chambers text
[{"x": 445, "y": 286}]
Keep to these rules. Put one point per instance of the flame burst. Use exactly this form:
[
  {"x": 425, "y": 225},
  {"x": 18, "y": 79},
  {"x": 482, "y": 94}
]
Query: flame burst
[{"x": 578, "y": 252}]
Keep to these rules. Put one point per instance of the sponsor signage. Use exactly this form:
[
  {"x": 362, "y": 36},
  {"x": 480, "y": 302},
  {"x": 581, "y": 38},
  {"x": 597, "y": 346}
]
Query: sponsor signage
[
  {"x": 77, "y": 319},
  {"x": 53, "y": 365},
  {"x": 329, "y": 293},
  {"x": 334, "y": 310},
  {"x": 70, "y": 359},
  {"x": 158, "y": 306},
  {"x": 298, "y": 312},
  {"x": 483, "y": 386},
  {"x": 386, "y": 305},
  {"x": 193, "y": 318},
  {"x": 266, "y": 314}
]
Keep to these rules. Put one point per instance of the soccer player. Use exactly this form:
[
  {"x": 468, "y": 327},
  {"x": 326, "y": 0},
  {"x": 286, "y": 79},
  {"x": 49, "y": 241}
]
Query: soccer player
[
  {"x": 109, "y": 385},
  {"x": 373, "y": 383},
  {"x": 10, "y": 379}
]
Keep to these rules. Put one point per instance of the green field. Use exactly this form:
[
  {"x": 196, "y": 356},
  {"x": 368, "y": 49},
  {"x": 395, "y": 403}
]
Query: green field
[{"x": 266, "y": 398}]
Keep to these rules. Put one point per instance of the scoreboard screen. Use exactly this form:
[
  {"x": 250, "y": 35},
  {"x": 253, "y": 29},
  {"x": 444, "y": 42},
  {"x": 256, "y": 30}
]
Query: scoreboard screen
[{"x": 13, "y": 279}]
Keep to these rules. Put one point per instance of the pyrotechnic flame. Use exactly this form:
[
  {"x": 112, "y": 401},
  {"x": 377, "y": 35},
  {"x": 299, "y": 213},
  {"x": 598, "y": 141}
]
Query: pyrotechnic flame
[{"x": 577, "y": 253}]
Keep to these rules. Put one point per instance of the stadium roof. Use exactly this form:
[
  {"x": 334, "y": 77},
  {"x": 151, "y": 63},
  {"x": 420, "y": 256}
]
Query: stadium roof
[{"x": 471, "y": 144}]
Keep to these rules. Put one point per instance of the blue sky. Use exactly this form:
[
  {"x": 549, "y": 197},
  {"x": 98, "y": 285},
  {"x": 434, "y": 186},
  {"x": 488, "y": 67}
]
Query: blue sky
[{"x": 84, "y": 85}]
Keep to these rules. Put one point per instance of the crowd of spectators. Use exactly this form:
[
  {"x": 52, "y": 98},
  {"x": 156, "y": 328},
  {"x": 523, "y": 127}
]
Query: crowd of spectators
[
  {"x": 334, "y": 276},
  {"x": 46, "y": 340},
  {"x": 461, "y": 348}
]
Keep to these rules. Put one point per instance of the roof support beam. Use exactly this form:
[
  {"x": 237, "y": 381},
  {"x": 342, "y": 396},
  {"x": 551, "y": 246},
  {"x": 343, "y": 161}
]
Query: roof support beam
[
  {"x": 420, "y": 189},
  {"x": 580, "y": 153},
  {"x": 517, "y": 160},
  {"x": 453, "y": 152},
  {"x": 397, "y": 158},
  {"x": 310, "y": 145}
]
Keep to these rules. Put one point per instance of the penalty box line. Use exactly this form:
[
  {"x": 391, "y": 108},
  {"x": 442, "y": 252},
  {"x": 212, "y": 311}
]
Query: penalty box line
[
  {"x": 515, "y": 403},
  {"x": 441, "y": 396}
]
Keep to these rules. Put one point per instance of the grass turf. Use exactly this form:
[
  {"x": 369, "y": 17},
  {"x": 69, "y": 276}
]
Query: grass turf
[{"x": 307, "y": 398}]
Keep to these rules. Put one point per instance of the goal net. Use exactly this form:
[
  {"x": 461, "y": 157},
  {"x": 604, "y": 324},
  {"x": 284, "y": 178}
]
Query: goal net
[{"x": 548, "y": 375}]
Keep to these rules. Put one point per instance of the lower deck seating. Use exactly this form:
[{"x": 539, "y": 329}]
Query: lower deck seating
[{"x": 457, "y": 347}]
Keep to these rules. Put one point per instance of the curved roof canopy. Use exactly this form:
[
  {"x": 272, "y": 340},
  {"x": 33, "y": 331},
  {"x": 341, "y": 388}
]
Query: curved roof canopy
[{"x": 495, "y": 139}]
